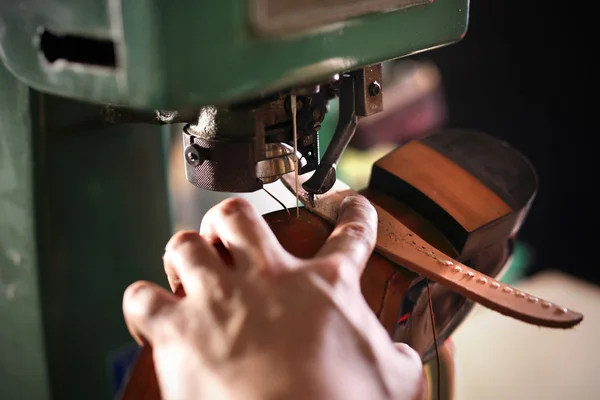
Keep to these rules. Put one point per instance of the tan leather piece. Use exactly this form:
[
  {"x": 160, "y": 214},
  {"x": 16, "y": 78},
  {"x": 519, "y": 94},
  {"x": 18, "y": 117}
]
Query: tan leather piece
[
  {"x": 400, "y": 245},
  {"x": 421, "y": 167}
]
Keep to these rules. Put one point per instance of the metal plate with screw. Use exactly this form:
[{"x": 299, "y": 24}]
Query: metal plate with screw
[{"x": 369, "y": 93}]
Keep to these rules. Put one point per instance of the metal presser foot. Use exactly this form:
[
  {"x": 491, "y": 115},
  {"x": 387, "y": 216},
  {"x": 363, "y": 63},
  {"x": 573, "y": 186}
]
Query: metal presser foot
[{"x": 360, "y": 95}]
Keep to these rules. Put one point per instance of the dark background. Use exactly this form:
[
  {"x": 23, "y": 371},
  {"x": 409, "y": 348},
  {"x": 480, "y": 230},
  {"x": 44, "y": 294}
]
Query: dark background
[{"x": 526, "y": 73}]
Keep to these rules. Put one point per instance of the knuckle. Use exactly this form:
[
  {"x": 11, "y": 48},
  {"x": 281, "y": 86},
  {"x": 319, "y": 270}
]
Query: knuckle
[
  {"x": 408, "y": 352},
  {"x": 182, "y": 238},
  {"x": 357, "y": 230},
  {"x": 331, "y": 270},
  {"x": 235, "y": 205},
  {"x": 334, "y": 261},
  {"x": 133, "y": 290},
  {"x": 140, "y": 300},
  {"x": 359, "y": 203},
  {"x": 189, "y": 251},
  {"x": 337, "y": 263},
  {"x": 339, "y": 270},
  {"x": 353, "y": 200}
]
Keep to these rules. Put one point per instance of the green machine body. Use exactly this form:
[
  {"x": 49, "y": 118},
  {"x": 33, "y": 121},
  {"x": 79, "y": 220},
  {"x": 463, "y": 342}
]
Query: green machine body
[
  {"x": 86, "y": 90},
  {"x": 157, "y": 54}
]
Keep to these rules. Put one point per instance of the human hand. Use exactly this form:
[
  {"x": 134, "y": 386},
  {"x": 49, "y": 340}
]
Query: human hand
[{"x": 267, "y": 325}]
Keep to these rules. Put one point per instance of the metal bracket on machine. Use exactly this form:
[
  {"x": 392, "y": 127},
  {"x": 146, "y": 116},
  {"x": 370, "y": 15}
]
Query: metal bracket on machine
[{"x": 360, "y": 95}]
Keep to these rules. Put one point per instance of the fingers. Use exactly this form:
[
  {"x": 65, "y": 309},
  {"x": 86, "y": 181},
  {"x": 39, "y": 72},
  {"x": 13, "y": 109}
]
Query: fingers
[
  {"x": 353, "y": 239},
  {"x": 245, "y": 233},
  {"x": 412, "y": 362},
  {"x": 189, "y": 259},
  {"x": 408, "y": 351},
  {"x": 143, "y": 304}
]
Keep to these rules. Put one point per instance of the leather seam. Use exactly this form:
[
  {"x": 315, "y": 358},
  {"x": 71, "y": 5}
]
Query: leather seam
[{"x": 384, "y": 295}]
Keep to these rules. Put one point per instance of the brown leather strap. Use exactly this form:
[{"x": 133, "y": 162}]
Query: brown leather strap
[{"x": 402, "y": 246}]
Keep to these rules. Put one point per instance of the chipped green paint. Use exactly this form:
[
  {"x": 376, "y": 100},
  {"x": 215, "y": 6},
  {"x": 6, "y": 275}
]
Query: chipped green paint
[
  {"x": 84, "y": 209},
  {"x": 81, "y": 217},
  {"x": 23, "y": 371},
  {"x": 192, "y": 52}
]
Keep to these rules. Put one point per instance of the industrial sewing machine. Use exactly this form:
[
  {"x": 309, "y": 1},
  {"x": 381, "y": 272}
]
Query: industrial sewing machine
[{"x": 86, "y": 87}]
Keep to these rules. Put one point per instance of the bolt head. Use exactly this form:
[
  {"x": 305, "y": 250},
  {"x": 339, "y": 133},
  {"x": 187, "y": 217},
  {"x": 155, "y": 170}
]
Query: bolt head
[
  {"x": 192, "y": 155},
  {"x": 375, "y": 89}
]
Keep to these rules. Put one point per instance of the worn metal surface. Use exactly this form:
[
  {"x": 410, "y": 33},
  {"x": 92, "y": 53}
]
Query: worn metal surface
[
  {"x": 23, "y": 372},
  {"x": 203, "y": 52},
  {"x": 325, "y": 175},
  {"x": 280, "y": 160},
  {"x": 282, "y": 17},
  {"x": 82, "y": 215},
  {"x": 369, "y": 93}
]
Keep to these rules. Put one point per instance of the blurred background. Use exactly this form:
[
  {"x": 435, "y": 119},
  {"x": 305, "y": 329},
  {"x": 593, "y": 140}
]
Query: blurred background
[{"x": 522, "y": 74}]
